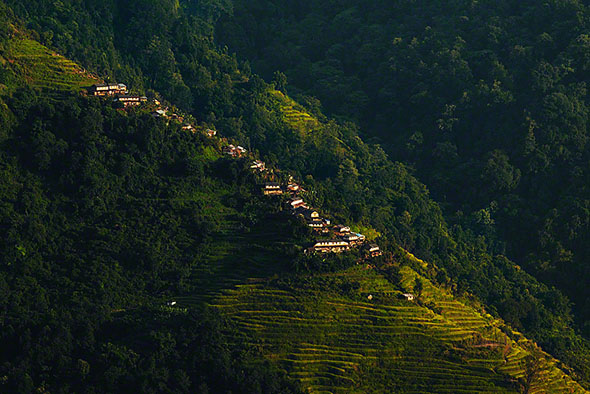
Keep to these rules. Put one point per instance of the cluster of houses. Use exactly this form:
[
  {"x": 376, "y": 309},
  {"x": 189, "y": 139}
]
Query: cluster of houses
[
  {"x": 258, "y": 165},
  {"x": 163, "y": 113},
  {"x": 234, "y": 151},
  {"x": 274, "y": 189},
  {"x": 341, "y": 241},
  {"x": 122, "y": 97},
  {"x": 119, "y": 92},
  {"x": 338, "y": 238},
  {"x": 335, "y": 239},
  {"x": 109, "y": 89}
]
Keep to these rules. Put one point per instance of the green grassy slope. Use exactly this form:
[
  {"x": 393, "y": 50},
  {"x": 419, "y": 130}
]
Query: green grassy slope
[
  {"x": 31, "y": 63},
  {"x": 294, "y": 114},
  {"x": 326, "y": 333},
  {"x": 236, "y": 257}
]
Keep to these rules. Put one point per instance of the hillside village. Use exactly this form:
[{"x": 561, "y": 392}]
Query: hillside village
[
  {"x": 119, "y": 92},
  {"x": 330, "y": 238}
]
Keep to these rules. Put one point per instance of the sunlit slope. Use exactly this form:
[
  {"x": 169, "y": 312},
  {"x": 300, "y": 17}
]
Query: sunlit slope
[
  {"x": 27, "y": 61},
  {"x": 326, "y": 332},
  {"x": 294, "y": 114}
]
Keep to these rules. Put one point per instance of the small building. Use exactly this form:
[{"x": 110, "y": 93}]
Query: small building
[
  {"x": 176, "y": 117},
  {"x": 408, "y": 296},
  {"x": 331, "y": 246},
  {"x": 188, "y": 127},
  {"x": 317, "y": 225},
  {"x": 241, "y": 150},
  {"x": 109, "y": 89},
  {"x": 352, "y": 237},
  {"x": 258, "y": 165},
  {"x": 272, "y": 189},
  {"x": 341, "y": 229},
  {"x": 313, "y": 214},
  {"x": 293, "y": 187},
  {"x": 308, "y": 213},
  {"x": 211, "y": 133},
  {"x": 327, "y": 222},
  {"x": 234, "y": 151},
  {"x": 296, "y": 202},
  {"x": 171, "y": 303},
  {"x": 130, "y": 101},
  {"x": 373, "y": 250},
  {"x": 159, "y": 113},
  {"x": 229, "y": 150}
]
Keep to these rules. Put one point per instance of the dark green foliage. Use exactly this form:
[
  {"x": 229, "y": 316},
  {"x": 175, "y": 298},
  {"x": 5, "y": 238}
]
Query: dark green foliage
[
  {"x": 100, "y": 225},
  {"x": 314, "y": 262},
  {"x": 487, "y": 100}
]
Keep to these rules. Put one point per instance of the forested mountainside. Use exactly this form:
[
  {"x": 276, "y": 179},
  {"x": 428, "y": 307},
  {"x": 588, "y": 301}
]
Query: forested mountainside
[
  {"x": 487, "y": 100},
  {"x": 109, "y": 214}
]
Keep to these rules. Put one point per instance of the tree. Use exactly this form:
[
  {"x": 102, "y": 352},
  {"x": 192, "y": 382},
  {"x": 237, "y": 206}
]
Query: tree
[
  {"x": 280, "y": 81},
  {"x": 418, "y": 287}
]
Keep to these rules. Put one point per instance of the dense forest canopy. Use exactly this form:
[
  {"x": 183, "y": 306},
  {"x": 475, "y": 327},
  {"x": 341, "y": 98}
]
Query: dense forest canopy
[
  {"x": 99, "y": 227},
  {"x": 108, "y": 212},
  {"x": 487, "y": 100}
]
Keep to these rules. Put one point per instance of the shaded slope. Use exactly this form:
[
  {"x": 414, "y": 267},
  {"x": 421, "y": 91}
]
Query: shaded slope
[{"x": 487, "y": 100}]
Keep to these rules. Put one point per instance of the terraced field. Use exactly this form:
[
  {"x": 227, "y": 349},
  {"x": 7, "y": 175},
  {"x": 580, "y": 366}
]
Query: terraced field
[
  {"x": 349, "y": 331},
  {"x": 294, "y": 115},
  {"x": 44, "y": 69},
  {"x": 335, "y": 340},
  {"x": 236, "y": 257},
  {"x": 343, "y": 332}
]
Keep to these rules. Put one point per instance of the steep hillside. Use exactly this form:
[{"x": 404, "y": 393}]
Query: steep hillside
[
  {"x": 26, "y": 61},
  {"x": 349, "y": 331},
  {"x": 106, "y": 213},
  {"x": 294, "y": 114},
  {"x": 487, "y": 100},
  {"x": 462, "y": 257},
  {"x": 136, "y": 249}
]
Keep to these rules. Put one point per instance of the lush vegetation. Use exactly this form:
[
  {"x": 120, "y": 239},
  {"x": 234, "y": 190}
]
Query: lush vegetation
[
  {"x": 104, "y": 219},
  {"x": 110, "y": 214},
  {"x": 487, "y": 99}
]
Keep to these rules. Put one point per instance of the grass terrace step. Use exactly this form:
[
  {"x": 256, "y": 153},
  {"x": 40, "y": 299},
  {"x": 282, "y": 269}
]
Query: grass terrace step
[{"x": 44, "y": 69}]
